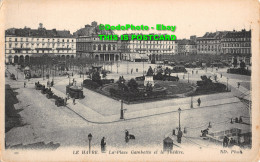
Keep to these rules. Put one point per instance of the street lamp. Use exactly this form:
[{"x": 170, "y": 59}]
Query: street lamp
[
  {"x": 121, "y": 110},
  {"x": 227, "y": 84},
  {"x": 179, "y": 135},
  {"x": 179, "y": 111},
  {"x": 89, "y": 139},
  {"x": 191, "y": 102}
]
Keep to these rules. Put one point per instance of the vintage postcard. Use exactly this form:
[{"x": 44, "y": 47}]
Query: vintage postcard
[{"x": 169, "y": 80}]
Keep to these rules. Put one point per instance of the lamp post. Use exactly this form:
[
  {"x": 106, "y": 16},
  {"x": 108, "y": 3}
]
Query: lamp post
[
  {"x": 69, "y": 79},
  {"x": 89, "y": 139},
  {"x": 179, "y": 135},
  {"x": 121, "y": 110},
  {"x": 227, "y": 84},
  {"x": 179, "y": 111},
  {"x": 191, "y": 102}
]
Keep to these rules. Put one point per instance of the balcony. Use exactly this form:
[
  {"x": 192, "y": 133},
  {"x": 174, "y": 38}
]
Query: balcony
[
  {"x": 43, "y": 48},
  {"x": 21, "y": 48},
  {"x": 140, "y": 49},
  {"x": 63, "y": 48}
]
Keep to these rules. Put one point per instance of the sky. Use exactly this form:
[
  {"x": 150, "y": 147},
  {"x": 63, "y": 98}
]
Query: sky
[{"x": 189, "y": 17}]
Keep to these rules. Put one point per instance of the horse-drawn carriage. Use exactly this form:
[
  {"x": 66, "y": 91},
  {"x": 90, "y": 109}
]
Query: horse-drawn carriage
[
  {"x": 39, "y": 86},
  {"x": 59, "y": 101},
  {"x": 49, "y": 93},
  {"x": 44, "y": 90}
]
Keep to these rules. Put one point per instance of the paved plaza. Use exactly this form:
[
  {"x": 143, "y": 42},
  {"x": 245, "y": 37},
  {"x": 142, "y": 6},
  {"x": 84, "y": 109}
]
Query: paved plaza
[{"x": 99, "y": 115}]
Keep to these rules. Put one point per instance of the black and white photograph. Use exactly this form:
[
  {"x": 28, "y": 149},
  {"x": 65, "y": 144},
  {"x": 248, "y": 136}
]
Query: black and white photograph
[{"x": 129, "y": 80}]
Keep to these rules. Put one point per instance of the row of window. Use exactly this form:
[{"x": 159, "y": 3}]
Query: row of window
[
  {"x": 27, "y": 45},
  {"x": 236, "y": 45},
  {"x": 131, "y": 41},
  {"x": 208, "y": 49},
  {"x": 40, "y": 51},
  {"x": 104, "y": 47},
  {"x": 223, "y": 40},
  {"x": 235, "y": 39},
  {"x": 40, "y": 39},
  {"x": 245, "y": 50}
]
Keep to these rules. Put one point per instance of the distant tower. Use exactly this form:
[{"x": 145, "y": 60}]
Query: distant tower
[{"x": 40, "y": 26}]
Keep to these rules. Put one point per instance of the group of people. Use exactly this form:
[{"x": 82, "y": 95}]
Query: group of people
[{"x": 228, "y": 142}]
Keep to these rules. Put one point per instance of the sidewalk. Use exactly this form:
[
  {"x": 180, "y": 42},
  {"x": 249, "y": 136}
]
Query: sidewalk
[{"x": 90, "y": 115}]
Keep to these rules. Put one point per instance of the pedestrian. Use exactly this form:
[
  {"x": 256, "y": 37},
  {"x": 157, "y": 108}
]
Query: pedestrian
[
  {"x": 103, "y": 145},
  {"x": 238, "y": 85},
  {"x": 240, "y": 119},
  {"x": 24, "y": 84},
  {"x": 225, "y": 141},
  {"x": 221, "y": 75},
  {"x": 66, "y": 100},
  {"x": 131, "y": 70},
  {"x": 199, "y": 101},
  {"x": 74, "y": 101},
  {"x": 196, "y": 71},
  {"x": 192, "y": 72},
  {"x": 126, "y": 133},
  {"x": 137, "y": 70}
]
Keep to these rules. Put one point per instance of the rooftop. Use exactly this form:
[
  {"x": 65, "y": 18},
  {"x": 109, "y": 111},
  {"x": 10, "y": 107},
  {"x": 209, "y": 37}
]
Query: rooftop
[{"x": 40, "y": 32}]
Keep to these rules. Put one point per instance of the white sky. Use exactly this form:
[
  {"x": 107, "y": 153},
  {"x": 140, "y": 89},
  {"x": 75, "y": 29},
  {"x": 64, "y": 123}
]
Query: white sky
[{"x": 189, "y": 17}]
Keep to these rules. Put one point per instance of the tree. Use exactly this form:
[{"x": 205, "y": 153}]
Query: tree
[
  {"x": 133, "y": 85},
  {"x": 149, "y": 87},
  {"x": 235, "y": 62},
  {"x": 104, "y": 73},
  {"x": 121, "y": 83},
  {"x": 242, "y": 64},
  {"x": 159, "y": 76},
  {"x": 96, "y": 77},
  {"x": 167, "y": 71}
]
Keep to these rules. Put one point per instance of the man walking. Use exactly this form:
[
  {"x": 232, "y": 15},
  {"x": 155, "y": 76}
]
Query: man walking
[
  {"x": 199, "y": 101},
  {"x": 238, "y": 85},
  {"x": 24, "y": 84},
  {"x": 126, "y": 136},
  {"x": 103, "y": 145},
  {"x": 74, "y": 101}
]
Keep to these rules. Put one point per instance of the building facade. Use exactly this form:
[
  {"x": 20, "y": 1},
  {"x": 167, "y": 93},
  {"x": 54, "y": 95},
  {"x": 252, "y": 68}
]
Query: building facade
[
  {"x": 148, "y": 49},
  {"x": 237, "y": 44},
  {"x": 210, "y": 43},
  {"x": 89, "y": 44},
  {"x": 186, "y": 47},
  {"x": 22, "y": 44}
]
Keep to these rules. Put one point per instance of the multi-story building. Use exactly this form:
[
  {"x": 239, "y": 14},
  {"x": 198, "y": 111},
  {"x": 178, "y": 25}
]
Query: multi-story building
[
  {"x": 186, "y": 47},
  {"x": 153, "y": 49},
  {"x": 89, "y": 44},
  {"x": 237, "y": 44},
  {"x": 210, "y": 43},
  {"x": 21, "y": 44}
]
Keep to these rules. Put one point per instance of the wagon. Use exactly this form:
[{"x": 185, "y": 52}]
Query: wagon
[
  {"x": 49, "y": 94},
  {"x": 59, "y": 102}
]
